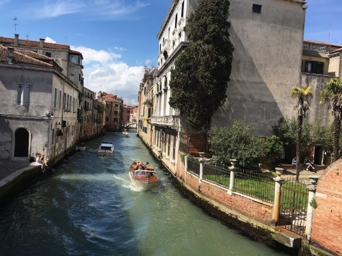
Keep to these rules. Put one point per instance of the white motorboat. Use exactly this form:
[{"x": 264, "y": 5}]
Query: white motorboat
[
  {"x": 125, "y": 134},
  {"x": 106, "y": 149},
  {"x": 81, "y": 147}
]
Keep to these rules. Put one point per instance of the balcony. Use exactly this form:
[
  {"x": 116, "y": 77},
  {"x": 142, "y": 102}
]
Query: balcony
[{"x": 171, "y": 121}]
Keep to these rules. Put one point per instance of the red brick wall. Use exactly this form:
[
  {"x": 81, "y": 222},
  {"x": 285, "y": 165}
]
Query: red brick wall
[
  {"x": 253, "y": 209},
  {"x": 327, "y": 218}
]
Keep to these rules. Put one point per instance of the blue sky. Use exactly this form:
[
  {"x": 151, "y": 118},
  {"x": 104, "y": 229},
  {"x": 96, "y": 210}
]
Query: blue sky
[{"x": 118, "y": 37}]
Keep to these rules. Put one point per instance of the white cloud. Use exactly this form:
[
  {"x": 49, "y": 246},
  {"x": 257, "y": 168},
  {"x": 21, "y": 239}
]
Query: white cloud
[
  {"x": 53, "y": 8},
  {"x": 95, "y": 9},
  {"x": 49, "y": 40},
  {"x": 104, "y": 71},
  {"x": 92, "y": 55}
]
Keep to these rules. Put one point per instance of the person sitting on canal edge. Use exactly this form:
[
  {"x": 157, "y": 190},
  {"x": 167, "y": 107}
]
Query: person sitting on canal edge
[{"x": 294, "y": 162}]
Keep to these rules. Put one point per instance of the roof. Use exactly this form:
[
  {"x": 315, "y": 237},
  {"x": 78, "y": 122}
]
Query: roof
[
  {"x": 323, "y": 43},
  {"x": 31, "y": 43},
  {"x": 111, "y": 98},
  {"x": 36, "y": 44},
  {"x": 337, "y": 50},
  {"x": 23, "y": 57}
]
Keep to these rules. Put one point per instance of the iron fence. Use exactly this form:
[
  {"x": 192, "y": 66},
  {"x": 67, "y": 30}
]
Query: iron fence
[
  {"x": 193, "y": 165},
  {"x": 251, "y": 183},
  {"x": 216, "y": 174},
  {"x": 293, "y": 205},
  {"x": 255, "y": 184}
]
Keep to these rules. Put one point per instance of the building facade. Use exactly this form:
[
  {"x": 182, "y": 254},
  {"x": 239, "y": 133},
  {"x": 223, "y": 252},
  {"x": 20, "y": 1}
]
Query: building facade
[
  {"x": 39, "y": 105},
  {"x": 267, "y": 39},
  {"x": 113, "y": 111},
  {"x": 145, "y": 108}
]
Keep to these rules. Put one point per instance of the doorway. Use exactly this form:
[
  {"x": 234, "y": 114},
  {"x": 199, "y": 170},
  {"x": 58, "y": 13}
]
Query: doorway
[{"x": 21, "y": 145}]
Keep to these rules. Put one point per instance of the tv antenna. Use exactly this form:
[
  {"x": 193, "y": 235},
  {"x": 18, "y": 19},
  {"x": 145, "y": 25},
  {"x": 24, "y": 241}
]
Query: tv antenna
[
  {"x": 15, "y": 19},
  {"x": 27, "y": 37}
]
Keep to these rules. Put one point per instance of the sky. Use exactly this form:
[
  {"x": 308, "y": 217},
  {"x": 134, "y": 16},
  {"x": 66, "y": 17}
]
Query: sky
[{"x": 118, "y": 38}]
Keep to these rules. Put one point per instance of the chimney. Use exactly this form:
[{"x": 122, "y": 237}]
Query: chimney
[
  {"x": 10, "y": 55},
  {"x": 16, "y": 37},
  {"x": 41, "y": 43}
]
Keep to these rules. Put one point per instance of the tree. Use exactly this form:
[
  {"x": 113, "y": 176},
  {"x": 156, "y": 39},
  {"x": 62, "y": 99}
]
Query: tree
[
  {"x": 235, "y": 142},
  {"x": 332, "y": 92},
  {"x": 201, "y": 74},
  {"x": 302, "y": 108}
]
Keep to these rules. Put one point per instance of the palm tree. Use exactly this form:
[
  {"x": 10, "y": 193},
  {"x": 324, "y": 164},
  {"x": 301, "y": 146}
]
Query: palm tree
[
  {"x": 332, "y": 92},
  {"x": 302, "y": 108}
]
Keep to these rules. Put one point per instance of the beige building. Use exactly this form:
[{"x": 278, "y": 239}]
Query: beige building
[
  {"x": 145, "y": 107},
  {"x": 38, "y": 109},
  {"x": 267, "y": 38}
]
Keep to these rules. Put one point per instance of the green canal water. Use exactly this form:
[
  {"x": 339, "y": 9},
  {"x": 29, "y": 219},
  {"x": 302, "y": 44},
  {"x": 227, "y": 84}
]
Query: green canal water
[{"x": 88, "y": 207}]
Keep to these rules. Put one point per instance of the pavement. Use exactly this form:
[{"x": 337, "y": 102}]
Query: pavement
[{"x": 8, "y": 167}]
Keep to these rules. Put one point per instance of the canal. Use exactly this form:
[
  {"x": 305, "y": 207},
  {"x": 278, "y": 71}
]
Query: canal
[{"x": 88, "y": 207}]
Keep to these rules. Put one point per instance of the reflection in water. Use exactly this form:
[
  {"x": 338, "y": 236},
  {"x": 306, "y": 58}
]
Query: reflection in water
[{"x": 89, "y": 207}]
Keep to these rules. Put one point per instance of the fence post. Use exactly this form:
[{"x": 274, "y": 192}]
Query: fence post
[
  {"x": 232, "y": 176},
  {"x": 186, "y": 167},
  {"x": 277, "y": 194},
  {"x": 311, "y": 206},
  {"x": 201, "y": 160}
]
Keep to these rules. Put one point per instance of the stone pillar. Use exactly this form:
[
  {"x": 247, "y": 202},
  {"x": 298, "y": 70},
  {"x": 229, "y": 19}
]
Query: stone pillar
[
  {"x": 311, "y": 207},
  {"x": 277, "y": 194},
  {"x": 186, "y": 167},
  {"x": 232, "y": 176},
  {"x": 201, "y": 170}
]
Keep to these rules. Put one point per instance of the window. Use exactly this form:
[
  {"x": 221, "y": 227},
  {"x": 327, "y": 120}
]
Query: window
[
  {"x": 182, "y": 13},
  {"x": 314, "y": 67},
  {"x": 115, "y": 120},
  {"x": 74, "y": 59},
  {"x": 116, "y": 105},
  {"x": 107, "y": 119},
  {"x": 23, "y": 94},
  {"x": 64, "y": 101},
  {"x": 256, "y": 8},
  {"x": 176, "y": 20},
  {"x": 73, "y": 104},
  {"x": 116, "y": 112},
  {"x": 48, "y": 54},
  {"x": 60, "y": 99},
  {"x": 55, "y": 99}
]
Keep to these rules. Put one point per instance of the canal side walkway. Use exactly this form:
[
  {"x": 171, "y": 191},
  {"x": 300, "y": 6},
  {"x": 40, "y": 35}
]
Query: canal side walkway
[{"x": 14, "y": 175}]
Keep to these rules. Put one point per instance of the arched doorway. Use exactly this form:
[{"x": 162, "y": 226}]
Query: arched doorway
[{"x": 21, "y": 146}]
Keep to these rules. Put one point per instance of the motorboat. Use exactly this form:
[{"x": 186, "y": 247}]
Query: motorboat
[
  {"x": 125, "y": 133},
  {"x": 106, "y": 149},
  {"x": 81, "y": 147},
  {"x": 142, "y": 176}
]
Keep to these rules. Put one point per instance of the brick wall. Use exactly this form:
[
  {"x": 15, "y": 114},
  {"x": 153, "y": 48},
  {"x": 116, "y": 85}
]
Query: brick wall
[
  {"x": 251, "y": 208},
  {"x": 327, "y": 219}
]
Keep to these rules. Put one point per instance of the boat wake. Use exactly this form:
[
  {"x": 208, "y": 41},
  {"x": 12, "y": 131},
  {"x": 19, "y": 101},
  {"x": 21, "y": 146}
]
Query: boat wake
[{"x": 127, "y": 184}]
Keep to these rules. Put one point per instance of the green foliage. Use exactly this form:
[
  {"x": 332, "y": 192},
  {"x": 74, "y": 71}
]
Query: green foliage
[
  {"x": 273, "y": 146},
  {"x": 313, "y": 203},
  {"x": 332, "y": 92},
  {"x": 199, "y": 80},
  {"x": 235, "y": 142}
]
